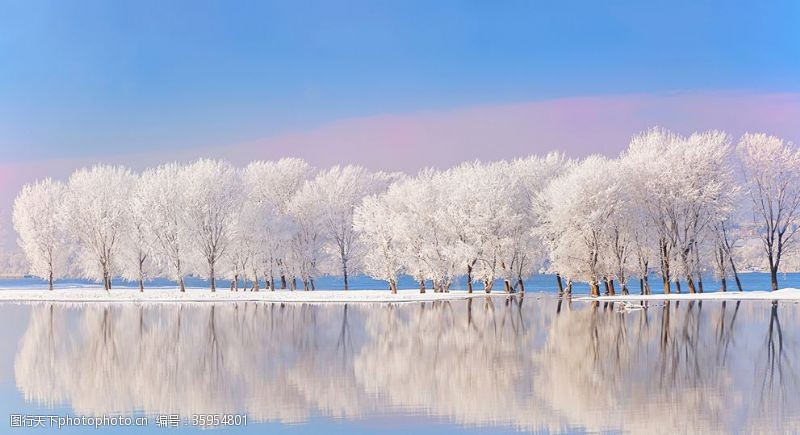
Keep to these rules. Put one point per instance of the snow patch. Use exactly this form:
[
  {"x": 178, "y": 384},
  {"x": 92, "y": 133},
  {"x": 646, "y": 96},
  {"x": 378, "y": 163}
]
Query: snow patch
[
  {"x": 83, "y": 294},
  {"x": 780, "y": 295}
]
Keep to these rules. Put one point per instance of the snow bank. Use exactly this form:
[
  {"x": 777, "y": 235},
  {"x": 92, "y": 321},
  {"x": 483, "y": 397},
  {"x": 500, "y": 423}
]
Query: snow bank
[
  {"x": 780, "y": 295},
  {"x": 83, "y": 294}
]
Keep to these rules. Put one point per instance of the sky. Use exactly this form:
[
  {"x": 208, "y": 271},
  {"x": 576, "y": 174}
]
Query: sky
[{"x": 397, "y": 85}]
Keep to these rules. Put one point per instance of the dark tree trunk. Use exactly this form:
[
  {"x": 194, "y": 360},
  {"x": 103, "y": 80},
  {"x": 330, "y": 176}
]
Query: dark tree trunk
[
  {"x": 422, "y": 286},
  {"x": 724, "y": 283},
  {"x": 283, "y": 282},
  {"x": 735, "y": 273},
  {"x": 690, "y": 283},
  {"x": 641, "y": 286},
  {"x": 773, "y": 272},
  {"x": 469, "y": 278},
  {"x": 182, "y": 284},
  {"x": 521, "y": 285},
  {"x": 344, "y": 273},
  {"x": 559, "y": 283},
  {"x": 213, "y": 278},
  {"x": 611, "y": 289},
  {"x": 50, "y": 280}
]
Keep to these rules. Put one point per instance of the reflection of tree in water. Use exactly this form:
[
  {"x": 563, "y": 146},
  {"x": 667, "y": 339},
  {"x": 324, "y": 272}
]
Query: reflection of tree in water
[
  {"x": 532, "y": 363},
  {"x": 779, "y": 381}
]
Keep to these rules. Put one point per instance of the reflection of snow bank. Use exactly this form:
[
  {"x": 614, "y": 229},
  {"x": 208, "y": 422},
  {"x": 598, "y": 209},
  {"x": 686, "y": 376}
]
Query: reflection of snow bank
[
  {"x": 78, "y": 294},
  {"x": 782, "y": 294}
]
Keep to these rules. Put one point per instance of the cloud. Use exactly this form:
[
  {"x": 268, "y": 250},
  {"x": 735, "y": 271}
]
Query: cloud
[{"x": 408, "y": 142}]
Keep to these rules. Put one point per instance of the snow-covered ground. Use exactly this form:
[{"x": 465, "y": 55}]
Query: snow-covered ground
[
  {"x": 782, "y": 294},
  {"x": 84, "y": 294}
]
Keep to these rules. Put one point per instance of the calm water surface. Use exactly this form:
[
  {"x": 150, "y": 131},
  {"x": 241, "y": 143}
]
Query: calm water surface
[{"x": 532, "y": 364}]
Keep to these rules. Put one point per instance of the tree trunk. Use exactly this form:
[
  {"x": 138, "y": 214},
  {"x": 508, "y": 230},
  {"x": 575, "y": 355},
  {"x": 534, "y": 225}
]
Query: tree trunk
[
  {"x": 393, "y": 286},
  {"x": 595, "y": 288},
  {"x": 283, "y": 282},
  {"x": 141, "y": 285},
  {"x": 735, "y": 273},
  {"x": 507, "y": 286},
  {"x": 487, "y": 286},
  {"x": 665, "y": 268},
  {"x": 344, "y": 272},
  {"x": 313, "y": 287},
  {"x": 559, "y": 283},
  {"x": 677, "y": 286},
  {"x": 605, "y": 286},
  {"x": 50, "y": 280},
  {"x": 236, "y": 280},
  {"x": 724, "y": 284},
  {"x": 521, "y": 285},
  {"x": 646, "y": 286},
  {"x": 773, "y": 272},
  {"x": 469, "y": 278},
  {"x": 611, "y": 288},
  {"x": 690, "y": 283},
  {"x": 213, "y": 279},
  {"x": 422, "y": 286},
  {"x": 182, "y": 284},
  {"x": 568, "y": 289},
  {"x": 641, "y": 286}
]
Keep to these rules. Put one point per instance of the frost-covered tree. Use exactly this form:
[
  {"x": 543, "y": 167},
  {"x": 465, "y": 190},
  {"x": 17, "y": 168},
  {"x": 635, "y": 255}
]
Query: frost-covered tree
[
  {"x": 36, "y": 220},
  {"x": 377, "y": 224},
  {"x": 334, "y": 195},
  {"x": 136, "y": 251},
  {"x": 95, "y": 214},
  {"x": 771, "y": 168},
  {"x": 211, "y": 190},
  {"x": 162, "y": 191},
  {"x": 581, "y": 204},
  {"x": 267, "y": 227}
]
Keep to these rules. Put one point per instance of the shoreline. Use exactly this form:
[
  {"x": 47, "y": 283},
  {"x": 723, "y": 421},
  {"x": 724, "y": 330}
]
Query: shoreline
[
  {"x": 192, "y": 295},
  {"x": 785, "y": 294}
]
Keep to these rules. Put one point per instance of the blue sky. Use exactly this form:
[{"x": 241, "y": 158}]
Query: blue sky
[{"x": 91, "y": 78}]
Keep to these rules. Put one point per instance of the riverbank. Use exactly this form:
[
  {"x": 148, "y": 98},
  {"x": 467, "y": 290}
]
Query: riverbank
[
  {"x": 779, "y": 295},
  {"x": 83, "y": 294}
]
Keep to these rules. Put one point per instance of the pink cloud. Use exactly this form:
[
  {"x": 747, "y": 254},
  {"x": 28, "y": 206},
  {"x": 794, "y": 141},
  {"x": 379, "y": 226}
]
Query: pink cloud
[{"x": 408, "y": 142}]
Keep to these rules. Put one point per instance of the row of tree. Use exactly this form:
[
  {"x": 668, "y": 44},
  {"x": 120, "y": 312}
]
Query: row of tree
[{"x": 677, "y": 206}]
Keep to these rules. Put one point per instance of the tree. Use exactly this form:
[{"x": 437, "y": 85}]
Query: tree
[
  {"x": 96, "y": 209},
  {"x": 377, "y": 224},
  {"x": 771, "y": 168},
  {"x": 334, "y": 195},
  {"x": 36, "y": 218},
  {"x": 211, "y": 190},
  {"x": 581, "y": 204},
  {"x": 137, "y": 242},
  {"x": 270, "y": 188},
  {"x": 162, "y": 196}
]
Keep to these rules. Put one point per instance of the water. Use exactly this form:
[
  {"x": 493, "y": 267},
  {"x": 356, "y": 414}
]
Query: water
[
  {"x": 540, "y": 282},
  {"x": 489, "y": 365}
]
